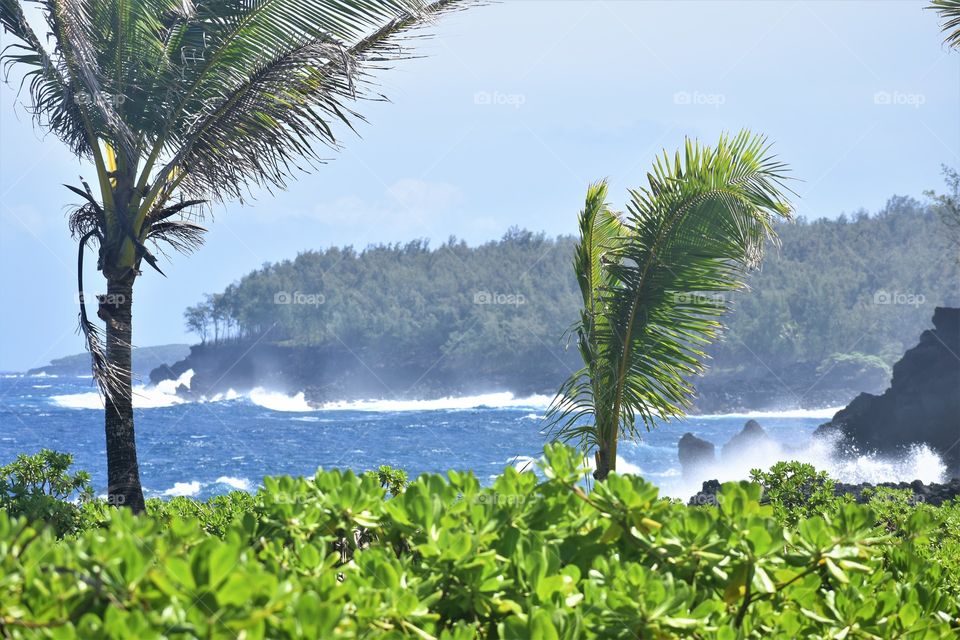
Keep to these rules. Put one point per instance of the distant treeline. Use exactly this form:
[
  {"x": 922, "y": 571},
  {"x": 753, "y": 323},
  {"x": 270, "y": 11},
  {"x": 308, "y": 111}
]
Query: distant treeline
[{"x": 856, "y": 289}]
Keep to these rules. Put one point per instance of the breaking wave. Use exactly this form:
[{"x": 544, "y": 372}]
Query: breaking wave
[{"x": 919, "y": 462}]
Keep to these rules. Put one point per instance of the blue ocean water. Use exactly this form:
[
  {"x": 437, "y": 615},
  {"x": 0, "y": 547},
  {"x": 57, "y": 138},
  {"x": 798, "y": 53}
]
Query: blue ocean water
[{"x": 206, "y": 448}]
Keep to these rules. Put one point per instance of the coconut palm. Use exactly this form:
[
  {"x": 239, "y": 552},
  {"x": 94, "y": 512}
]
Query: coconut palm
[
  {"x": 181, "y": 102},
  {"x": 654, "y": 282}
]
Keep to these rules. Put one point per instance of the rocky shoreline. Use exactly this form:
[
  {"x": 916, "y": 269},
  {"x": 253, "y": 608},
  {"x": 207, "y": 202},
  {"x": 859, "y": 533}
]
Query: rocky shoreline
[
  {"x": 921, "y": 405},
  {"x": 931, "y": 493},
  {"x": 330, "y": 375}
]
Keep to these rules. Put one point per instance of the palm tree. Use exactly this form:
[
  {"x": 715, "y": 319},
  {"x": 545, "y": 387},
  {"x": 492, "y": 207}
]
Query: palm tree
[
  {"x": 654, "y": 282},
  {"x": 178, "y": 103}
]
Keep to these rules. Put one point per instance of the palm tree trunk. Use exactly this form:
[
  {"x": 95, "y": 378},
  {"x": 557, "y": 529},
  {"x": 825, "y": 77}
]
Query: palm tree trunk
[
  {"x": 123, "y": 472},
  {"x": 606, "y": 459}
]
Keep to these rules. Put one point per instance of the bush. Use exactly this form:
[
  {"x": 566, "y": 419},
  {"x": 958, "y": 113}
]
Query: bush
[
  {"x": 40, "y": 488},
  {"x": 524, "y": 558},
  {"x": 796, "y": 490}
]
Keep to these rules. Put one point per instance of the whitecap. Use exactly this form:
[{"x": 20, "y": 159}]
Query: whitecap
[
  {"x": 161, "y": 395},
  {"x": 279, "y": 402},
  {"x": 241, "y": 484},
  {"x": 187, "y": 489}
]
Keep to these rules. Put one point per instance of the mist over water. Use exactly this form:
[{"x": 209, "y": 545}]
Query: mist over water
[{"x": 232, "y": 440}]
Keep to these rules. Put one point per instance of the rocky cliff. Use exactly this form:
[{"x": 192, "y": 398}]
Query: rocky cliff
[{"x": 922, "y": 404}]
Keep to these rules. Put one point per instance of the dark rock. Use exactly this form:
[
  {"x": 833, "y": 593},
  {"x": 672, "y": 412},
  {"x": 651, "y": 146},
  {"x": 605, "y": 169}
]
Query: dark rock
[
  {"x": 695, "y": 453},
  {"x": 751, "y": 436},
  {"x": 707, "y": 495},
  {"x": 922, "y": 404}
]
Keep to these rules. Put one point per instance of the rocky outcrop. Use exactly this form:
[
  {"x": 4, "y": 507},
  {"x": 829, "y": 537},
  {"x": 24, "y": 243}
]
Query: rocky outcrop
[
  {"x": 922, "y": 404},
  {"x": 934, "y": 494},
  {"x": 750, "y": 437},
  {"x": 695, "y": 454}
]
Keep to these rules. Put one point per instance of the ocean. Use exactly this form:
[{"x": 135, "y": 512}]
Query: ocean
[{"x": 201, "y": 449}]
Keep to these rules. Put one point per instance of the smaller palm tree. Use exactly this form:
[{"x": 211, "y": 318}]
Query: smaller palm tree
[{"x": 655, "y": 281}]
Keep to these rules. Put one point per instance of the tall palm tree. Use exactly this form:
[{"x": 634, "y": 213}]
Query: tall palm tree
[
  {"x": 654, "y": 282},
  {"x": 178, "y": 103}
]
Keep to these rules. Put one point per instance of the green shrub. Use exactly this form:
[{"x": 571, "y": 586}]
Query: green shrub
[
  {"x": 528, "y": 557},
  {"x": 393, "y": 480},
  {"x": 796, "y": 490},
  {"x": 40, "y": 488},
  {"x": 214, "y": 516}
]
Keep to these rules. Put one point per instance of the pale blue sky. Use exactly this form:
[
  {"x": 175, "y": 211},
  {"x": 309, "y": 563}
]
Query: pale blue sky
[{"x": 516, "y": 108}]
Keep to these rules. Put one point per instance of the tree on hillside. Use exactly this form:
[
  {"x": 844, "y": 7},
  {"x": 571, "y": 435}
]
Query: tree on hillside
[
  {"x": 654, "y": 282},
  {"x": 177, "y": 103}
]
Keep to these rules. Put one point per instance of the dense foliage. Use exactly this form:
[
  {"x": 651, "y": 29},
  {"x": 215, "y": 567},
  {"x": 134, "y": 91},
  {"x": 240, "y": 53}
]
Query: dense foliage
[
  {"x": 855, "y": 286},
  {"x": 531, "y": 556}
]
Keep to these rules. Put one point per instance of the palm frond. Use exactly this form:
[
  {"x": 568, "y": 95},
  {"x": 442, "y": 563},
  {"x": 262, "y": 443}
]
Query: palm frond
[
  {"x": 55, "y": 103},
  {"x": 257, "y": 121},
  {"x": 949, "y": 12}
]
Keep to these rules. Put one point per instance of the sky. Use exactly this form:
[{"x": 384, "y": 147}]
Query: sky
[{"x": 510, "y": 112}]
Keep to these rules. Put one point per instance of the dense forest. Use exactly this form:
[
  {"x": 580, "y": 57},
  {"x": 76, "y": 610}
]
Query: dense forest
[{"x": 851, "y": 292}]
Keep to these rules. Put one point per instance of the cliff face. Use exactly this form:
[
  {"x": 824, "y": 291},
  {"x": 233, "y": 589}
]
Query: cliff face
[{"x": 922, "y": 404}]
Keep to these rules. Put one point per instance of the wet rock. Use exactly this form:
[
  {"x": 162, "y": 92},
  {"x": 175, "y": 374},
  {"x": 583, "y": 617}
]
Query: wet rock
[
  {"x": 695, "y": 454},
  {"x": 922, "y": 404},
  {"x": 751, "y": 437}
]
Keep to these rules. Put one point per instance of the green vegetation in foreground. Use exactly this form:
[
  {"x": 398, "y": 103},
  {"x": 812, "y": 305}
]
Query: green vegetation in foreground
[{"x": 532, "y": 556}]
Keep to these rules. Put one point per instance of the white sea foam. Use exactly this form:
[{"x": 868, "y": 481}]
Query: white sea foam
[
  {"x": 279, "y": 401},
  {"x": 188, "y": 489},
  {"x": 822, "y": 414},
  {"x": 161, "y": 395},
  {"x": 919, "y": 462},
  {"x": 503, "y": 400},
  {"x": 241, "y": 484}
]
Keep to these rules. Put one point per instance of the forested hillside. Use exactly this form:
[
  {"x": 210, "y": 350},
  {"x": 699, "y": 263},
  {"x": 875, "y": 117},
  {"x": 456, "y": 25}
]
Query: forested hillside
[{"x": 850, "y": 293}]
